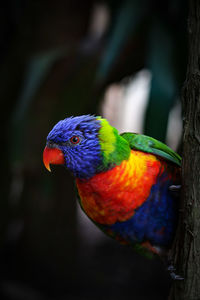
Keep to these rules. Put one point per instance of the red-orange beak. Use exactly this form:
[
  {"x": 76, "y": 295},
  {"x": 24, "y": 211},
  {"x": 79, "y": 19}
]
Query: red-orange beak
[{"x": 52, "y": 156}]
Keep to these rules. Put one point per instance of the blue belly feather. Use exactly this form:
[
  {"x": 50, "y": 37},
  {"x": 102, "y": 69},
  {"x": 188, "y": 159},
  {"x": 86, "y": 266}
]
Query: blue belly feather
[{"x": 154, "y": 221}]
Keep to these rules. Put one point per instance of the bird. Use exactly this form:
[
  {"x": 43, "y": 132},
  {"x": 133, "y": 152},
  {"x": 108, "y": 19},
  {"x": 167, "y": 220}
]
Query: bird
[{"x": 125, "y": 182}]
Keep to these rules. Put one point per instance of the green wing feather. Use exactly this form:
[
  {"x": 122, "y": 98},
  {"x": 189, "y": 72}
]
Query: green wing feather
[{"x": 150, "y": 145}]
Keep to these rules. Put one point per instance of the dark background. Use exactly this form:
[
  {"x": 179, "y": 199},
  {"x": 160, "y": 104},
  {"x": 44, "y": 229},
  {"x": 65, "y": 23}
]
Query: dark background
[{"x": 54, "y": 66}]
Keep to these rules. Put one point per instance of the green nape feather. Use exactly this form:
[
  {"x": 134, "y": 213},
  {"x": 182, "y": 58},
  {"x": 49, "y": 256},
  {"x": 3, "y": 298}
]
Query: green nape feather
[
  {"x": 114, "y": 148},
  {"x": 150, "y": 145}
]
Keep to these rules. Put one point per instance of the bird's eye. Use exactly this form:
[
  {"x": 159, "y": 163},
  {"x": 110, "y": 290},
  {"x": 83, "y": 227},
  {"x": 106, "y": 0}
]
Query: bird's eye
[{"x": 75, "y": 139}]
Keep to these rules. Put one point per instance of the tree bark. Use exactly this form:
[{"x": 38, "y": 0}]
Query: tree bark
[{"x": 186, "y": 250}]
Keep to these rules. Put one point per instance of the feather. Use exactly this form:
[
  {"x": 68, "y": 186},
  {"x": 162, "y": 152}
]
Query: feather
[{"x": 150, "y": 145}]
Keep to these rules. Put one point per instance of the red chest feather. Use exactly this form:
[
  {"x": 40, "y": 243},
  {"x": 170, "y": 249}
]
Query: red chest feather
[{"x": 113, "y": 195}]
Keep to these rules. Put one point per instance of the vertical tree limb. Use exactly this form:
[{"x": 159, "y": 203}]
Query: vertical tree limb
[{"x": 186, "y": 250}]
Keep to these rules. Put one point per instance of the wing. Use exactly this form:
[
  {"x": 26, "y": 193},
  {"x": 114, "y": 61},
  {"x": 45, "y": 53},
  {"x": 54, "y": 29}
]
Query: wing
[{"x": 150, "y": 145}]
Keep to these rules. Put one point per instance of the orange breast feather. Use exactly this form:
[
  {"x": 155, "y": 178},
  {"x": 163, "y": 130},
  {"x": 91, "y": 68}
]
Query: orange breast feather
[{"x": 113, "y": 195}]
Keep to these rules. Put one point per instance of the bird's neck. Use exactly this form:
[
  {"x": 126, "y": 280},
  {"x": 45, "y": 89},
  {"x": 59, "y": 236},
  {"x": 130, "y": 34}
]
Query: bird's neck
[
  {"x": 108, "y": 158},
  {"x": 120, "y": 153},
  {"x": 114, "y": 148}
]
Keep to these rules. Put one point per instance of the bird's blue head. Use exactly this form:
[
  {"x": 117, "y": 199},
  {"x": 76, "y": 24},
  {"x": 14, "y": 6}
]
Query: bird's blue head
[
  {"x": 74, "y": 143},
  {"x": 86, "y": 145}
]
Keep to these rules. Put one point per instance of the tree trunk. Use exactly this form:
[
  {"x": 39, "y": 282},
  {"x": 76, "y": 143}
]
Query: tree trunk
[{"x": 186, "y": 250}]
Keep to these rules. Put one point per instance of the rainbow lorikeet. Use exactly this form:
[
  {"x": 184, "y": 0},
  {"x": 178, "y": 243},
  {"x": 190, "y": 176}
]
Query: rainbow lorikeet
[{"x": 123, "y": 180}]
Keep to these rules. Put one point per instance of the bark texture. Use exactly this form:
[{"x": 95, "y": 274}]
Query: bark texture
[{"x": 186, "y": 251}]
